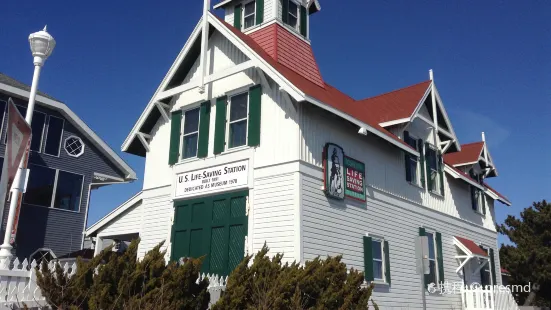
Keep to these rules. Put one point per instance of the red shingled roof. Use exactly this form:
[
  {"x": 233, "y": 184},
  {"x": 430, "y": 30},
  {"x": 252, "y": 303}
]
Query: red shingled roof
[
  {"x": 469, "y": 153},
  {"x": 327, "y": 94},
  {"x": 290, "y": 51},
  {"x": 397, "y": 104},
  {"x": 471, "y": 246}
]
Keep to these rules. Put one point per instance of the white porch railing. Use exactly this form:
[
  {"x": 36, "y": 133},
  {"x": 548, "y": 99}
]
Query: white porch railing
[
  {"x": 487, "y": 299},
  {"x": 18, "y": 284}
]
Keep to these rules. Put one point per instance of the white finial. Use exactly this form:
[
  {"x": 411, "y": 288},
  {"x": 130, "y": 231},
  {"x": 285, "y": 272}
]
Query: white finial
[
  {"x": 431, "y": 75},
  {"x": 483, "y": 137},
  {"x": 45, "y": 28}
]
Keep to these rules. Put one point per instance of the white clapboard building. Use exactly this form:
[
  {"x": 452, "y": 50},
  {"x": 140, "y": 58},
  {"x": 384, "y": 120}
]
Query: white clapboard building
[{"x": 246, "y": 144}]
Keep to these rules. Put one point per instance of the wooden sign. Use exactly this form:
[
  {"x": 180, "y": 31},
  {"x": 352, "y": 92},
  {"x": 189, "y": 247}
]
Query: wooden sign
[{"x": 355, "y": 178}]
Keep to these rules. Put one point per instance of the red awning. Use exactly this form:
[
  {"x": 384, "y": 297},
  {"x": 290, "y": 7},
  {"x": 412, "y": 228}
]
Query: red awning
[{"x": 471, "y": 246}]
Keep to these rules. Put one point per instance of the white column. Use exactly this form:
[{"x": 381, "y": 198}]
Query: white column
[{"x": 98, "y": 246}]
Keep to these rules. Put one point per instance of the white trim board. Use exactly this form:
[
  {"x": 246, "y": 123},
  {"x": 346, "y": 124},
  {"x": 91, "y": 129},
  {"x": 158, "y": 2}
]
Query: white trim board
[{"x": 79, "y": 124}]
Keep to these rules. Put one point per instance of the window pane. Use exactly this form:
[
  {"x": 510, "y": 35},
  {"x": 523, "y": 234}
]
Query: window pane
[
  {"x": 40, "y": 186},
  {"x": 292, "y": 21},
  {"x": 377, "y": 269},
  {"x": 434, "y": 179},
  {"x": 190, "y": 146},
  {"x": 293, "y": 8},
  {"x": 431, "y": 245},
  {"x": 37, "y": 126},
  {"x": 249, "y": 8},
  {"x": 68, "y": 191},
  {"x": 22, "y": 110},
  {"x": 1, "y": 165},
  {"x": 238, "y": 133},
  {"x": 432, "y": 275},
  {"x": 191, "y": 121},
  {"x": 53, "y": 137},
  {"x": 413, "y": 169},
  {"x": 376, "y": 246},
  {"x": 238, "y": 107},
  {"x": 249, "y": 21}
]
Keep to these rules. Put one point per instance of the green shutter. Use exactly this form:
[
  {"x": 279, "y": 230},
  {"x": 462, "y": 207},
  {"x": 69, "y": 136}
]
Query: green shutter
[
  {"x": 303, "y": 21},
  {"x": 204, "y": 122},
  {"x": 368, "y": 259},
  {"x": 285, "y": 11},
  {"x": 422, "y": 160},
  {"x": 441, "y": 172},
  {"x": 175, "y": 132},
  {"x": 220, "y": 125},
  {"x": 439, "y": 257},
  {"x": 259, "y": 11},
  {"x": 407, "y": 158},
  {"x": 493, "y": 267},
  {"x": 237, "y": 16},
  {"x": 429, "y": 158},
  {"x": 255, "y": 99},
  {"x": 387, "y": 263}
]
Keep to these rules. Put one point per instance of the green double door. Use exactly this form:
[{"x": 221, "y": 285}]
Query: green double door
[{"x": 214, "y": 227}]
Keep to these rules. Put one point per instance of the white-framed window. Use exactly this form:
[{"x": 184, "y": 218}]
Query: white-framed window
[
  {"x": 478, "y": 200},
  {"x": 53, "y": 188},
  {"x": 37, "y": 126},
  {"x": 432, "y": 277},
  {"x": 238, "y": 118},
  {"x": 74, "y": 146},
  {"x": 413, "y": 161},
  {"x": 190, "y": 133},
  {"x": 249, "y": 14},
  {"x": 293, "y": 14},
  {"x": 433, "y": 169},
  {"x": 485, "y": 272},
  {"x": 377, "y": 246},
  {"x": 53, "y": 135}
]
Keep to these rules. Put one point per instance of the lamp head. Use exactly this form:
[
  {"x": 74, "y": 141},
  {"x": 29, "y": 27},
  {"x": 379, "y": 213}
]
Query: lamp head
[{"x": 42, "y": 45}]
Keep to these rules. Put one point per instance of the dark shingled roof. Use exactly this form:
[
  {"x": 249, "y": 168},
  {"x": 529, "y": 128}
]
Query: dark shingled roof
[{"x": 4, "y": 79}]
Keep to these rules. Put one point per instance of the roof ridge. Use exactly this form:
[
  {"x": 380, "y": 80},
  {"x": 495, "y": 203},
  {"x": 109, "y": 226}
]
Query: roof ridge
[{"x": 393, "y": 91}]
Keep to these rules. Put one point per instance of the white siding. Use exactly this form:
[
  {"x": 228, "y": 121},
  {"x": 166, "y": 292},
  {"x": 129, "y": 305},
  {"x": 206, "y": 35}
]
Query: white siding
[
  {"x": 274, "y": 214},
  {"x": 384, "y": 165},
  {"x": 332, "y": 227},
  {"x": 128, "y": 222},
  {"x": 157, "y": 213}
]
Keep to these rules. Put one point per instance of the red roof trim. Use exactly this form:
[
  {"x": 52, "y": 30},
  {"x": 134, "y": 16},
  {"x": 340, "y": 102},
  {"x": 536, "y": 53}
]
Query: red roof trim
[
  {"x": 471, "y": 246},
  {"x": 469, "y": 153}
]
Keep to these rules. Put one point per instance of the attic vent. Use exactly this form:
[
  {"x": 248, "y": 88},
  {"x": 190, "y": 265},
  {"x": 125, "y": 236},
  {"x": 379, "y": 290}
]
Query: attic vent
[{"x": 74, "y": 146}]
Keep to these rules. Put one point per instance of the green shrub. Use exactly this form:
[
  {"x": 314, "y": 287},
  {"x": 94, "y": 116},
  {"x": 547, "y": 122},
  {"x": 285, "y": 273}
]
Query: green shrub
[
  {"x": 269, "y": 284},
  {"x": 123, "y": 282}
]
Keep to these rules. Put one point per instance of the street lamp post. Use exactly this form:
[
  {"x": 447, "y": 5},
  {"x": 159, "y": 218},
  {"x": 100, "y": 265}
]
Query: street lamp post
[{"x": 42, "y": 44}]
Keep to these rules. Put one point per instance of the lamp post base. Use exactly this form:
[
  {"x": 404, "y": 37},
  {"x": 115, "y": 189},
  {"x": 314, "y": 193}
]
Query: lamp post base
[{"x": 5, "y": 251}]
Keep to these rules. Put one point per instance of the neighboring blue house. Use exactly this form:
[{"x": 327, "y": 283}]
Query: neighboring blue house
[{"x": 67, "y": 160}]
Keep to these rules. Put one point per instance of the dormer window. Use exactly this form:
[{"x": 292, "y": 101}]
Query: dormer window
[
  {"x": 249, "y": 14},
  {"x": 292, "y": 18}
]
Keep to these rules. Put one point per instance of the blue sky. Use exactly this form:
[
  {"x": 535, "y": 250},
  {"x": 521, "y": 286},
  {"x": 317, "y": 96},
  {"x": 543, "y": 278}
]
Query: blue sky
[{"x": 492, "y": 65}]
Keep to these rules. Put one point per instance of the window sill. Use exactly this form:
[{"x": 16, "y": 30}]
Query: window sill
[
  {"x": 380, "y": 283},
  {"x": 234, "y": 149},
  {"x": 416, "y": 185},
  {"x": 188, "y": 160},
  {"x": 439, "y": 195},
  {"x": 51, "y": 208},
  {"x": 479, "y": 213}
]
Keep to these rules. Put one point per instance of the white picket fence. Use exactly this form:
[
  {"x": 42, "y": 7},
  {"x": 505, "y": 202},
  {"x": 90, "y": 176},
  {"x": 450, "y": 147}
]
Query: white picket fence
[
  {"x": 487, "y": 299},
  {"x": 217, "y": 284},
  {"x": 18, "y": 284}
]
